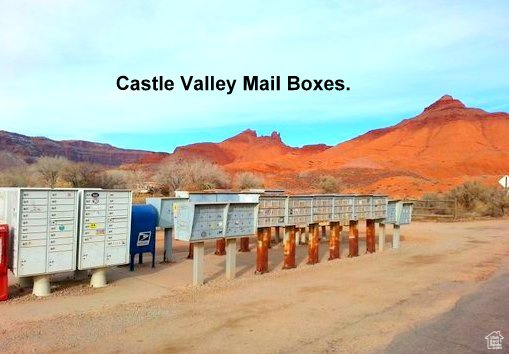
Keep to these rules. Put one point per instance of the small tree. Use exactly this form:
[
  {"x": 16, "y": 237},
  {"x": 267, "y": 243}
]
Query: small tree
[
  {"x": 330, "y": 184},
  {"x": 50, "y": 169},
  {"x": 246, "y": 180}
]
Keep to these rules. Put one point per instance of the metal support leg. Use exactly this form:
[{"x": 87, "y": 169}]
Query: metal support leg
[
  {"x": 289, "y": 247},
  {"x": 244, "y": 244},
  {"x": 198, "y": 253},
  {"x": 277, "y": 234},
  {"x": 190, "y": 254},
  {"x": 168, "y": 245},
  {"x": 396, "y": 237},
  {"x": 231, "y": 257},
  {"x": 370, "y": 236},
  {"x": 313, "y": 244},
  {"x": 381, "y": 236},
  {"x": 353, "y": 239},
  {"x": 334, "y": 240},
  {"x": 220, "y": 247},
  {"x": 262, "y": 250}
]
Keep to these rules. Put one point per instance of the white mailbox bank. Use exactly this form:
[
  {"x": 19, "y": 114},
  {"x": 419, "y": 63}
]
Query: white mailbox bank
[
  {"x": 43, "y": 227},
  {"x": 104, "y": 232}
]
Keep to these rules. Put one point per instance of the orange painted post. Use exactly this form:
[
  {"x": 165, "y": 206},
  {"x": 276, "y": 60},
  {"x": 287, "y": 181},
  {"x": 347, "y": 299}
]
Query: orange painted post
[
  {"x": 262, "y": 250},
  {"x": 353, "y": 239},
  {"x": 220, "y": 247},
  {"x": 244, "y": 244},
  {"x": 289, "y": 247},
  {"x": 334, "y": 240},
  {"x": 313, "y": 244},
  {"x": 370, "y": 236},
  {"x": 269, "y": 230},
  {"x": 190, "y": 254}
]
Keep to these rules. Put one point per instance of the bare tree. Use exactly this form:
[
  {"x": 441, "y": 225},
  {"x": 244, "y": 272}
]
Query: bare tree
[
  {"x": 50, "y": 169},
  {"x": 173, "y": 175}
]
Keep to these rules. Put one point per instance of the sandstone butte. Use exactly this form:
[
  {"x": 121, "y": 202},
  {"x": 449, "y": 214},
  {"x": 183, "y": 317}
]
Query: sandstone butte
[{"x": 444, "y": 146}]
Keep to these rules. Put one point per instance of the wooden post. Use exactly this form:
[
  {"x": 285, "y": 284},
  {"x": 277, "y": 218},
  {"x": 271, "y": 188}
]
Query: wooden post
[
  {"x": 199, "y": 251},
  {"x": 353, "y": 239},
  {"x": 289, "y": 247},
  {"x": 381, "y": 236},
  {"x": 313, "y": 244},
  {"x": 244, "y": 244},
  {"x": 190, "y": 254},
  {"x": 396, "y": 237},
  {"x": 231, "y": 257},
  {"x": 370, "y": 236},
  {"x": 334, "y": 240},
  {"x": 220, "y": 247}
]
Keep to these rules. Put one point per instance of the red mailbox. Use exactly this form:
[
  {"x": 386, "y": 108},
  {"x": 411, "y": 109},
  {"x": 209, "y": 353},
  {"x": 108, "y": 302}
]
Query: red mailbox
[{"x": 4, "y": 287}]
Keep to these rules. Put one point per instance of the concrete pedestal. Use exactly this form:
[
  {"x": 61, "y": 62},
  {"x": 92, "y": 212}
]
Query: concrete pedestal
[
  {"x": 41, "y": 285},
  {"x": 231, "y": 258},
  {"x": 199, "y": 251},
  {"x": 396, "y": 237},
  {"x": 98, "y": 279}
]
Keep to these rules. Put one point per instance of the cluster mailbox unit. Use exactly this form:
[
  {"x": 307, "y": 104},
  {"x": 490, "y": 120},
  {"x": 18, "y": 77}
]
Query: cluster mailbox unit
[
  {"x": 398, "y": 213},
  {"x": 105, "y": 227},
  {"x": 207, "y": 216},
  {"x": 43, "y": 226},
  {"x": 164, "y": 207},
  {"x": 64, "y": 230}
]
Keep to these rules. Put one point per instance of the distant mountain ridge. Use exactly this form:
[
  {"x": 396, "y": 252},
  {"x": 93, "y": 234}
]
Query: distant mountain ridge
[{"x": 30, "y": 148}]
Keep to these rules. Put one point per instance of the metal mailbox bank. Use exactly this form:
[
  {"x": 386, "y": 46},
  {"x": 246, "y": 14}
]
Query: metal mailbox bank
[
  {"x": 105, "y": 224},
  {"x": 164, "y": 207},
  {"x": 43, "y": 226},
  {"x": 272, "y": 211},
  {"x": 207, "y": 216}
]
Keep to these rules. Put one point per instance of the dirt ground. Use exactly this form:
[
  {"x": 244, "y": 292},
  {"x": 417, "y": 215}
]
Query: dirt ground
[{"x": 364, "y": 304}]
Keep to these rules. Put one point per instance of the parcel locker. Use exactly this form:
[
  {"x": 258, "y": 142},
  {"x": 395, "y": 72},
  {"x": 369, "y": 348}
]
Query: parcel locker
[
  {"x": 43, "y": 237},
  {"x": 105, "y": 227}
]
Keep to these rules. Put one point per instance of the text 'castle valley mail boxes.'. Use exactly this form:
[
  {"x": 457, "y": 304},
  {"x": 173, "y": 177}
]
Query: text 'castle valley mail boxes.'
[
  {"x": 43, "y": 225},
  {"x": 208, "y": 216},
  {"x": 105, "y": 225}
]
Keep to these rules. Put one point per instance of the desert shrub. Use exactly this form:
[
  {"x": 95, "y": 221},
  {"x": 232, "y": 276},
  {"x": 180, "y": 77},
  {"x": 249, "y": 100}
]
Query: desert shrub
[
  {"x": 478, "y": 199},
  {"x": 247, "y": 180},
  {"x": 329, "y": 184},
  {"x": 16, "y": 177}
]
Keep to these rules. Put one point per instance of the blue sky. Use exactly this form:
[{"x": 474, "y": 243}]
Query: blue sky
[{"x": 59, "y": 61}]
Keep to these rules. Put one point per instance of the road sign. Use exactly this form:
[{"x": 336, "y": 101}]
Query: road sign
[{"x": 504, "y": 181}]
